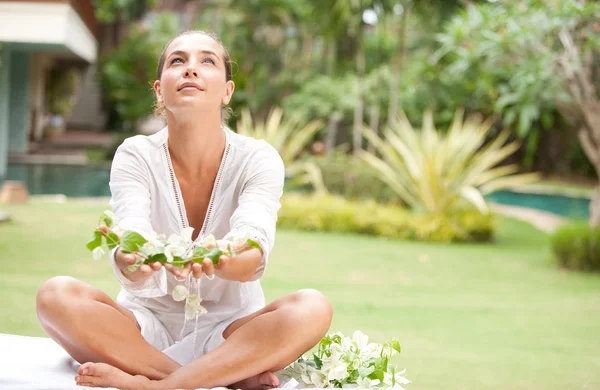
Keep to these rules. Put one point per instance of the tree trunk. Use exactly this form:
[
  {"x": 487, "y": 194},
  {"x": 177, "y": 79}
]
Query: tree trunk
[
  {"x": 332, "y": 129},
  {"x": 595, "y": 208},
  {"x": 396, "y": 66},
  {"x": 373, "y": 124},
  {"x": 359, "y": 104}
]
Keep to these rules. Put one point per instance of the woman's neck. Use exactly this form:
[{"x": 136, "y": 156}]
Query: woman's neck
[{"x": 196, "y": 145}]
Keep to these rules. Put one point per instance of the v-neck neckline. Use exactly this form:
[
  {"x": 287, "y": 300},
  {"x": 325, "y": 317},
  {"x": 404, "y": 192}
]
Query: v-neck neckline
[{"x": 177, "y": 189}]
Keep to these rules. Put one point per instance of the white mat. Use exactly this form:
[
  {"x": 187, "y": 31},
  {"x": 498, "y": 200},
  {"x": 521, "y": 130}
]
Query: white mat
[{"x": 38, "y": 363}]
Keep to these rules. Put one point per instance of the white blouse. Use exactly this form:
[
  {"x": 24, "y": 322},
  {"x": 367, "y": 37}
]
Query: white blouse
[{"x": 245, "y": 199}]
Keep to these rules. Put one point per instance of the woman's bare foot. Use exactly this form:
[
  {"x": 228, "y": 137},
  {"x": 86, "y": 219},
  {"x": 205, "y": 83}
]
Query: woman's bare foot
[
  {"x": 105, "y": 375},
  {"x": 266, "y": 380}
]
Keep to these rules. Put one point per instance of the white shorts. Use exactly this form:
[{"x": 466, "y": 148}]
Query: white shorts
[{"x": 195, "y": 342}]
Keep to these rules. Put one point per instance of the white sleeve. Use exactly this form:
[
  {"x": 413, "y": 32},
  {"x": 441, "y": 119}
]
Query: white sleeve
[
  {"x": 130, "y": 201},
  {"x": 259, "y": 203}
]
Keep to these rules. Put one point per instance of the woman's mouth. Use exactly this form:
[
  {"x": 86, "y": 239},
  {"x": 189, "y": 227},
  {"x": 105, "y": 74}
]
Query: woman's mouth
[{"x": 190, "y": 85}]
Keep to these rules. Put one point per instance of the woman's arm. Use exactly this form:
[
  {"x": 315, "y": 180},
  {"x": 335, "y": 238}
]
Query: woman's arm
[
  {"x": 255, "y": 216},
  {"x": 131, "y": 203}
]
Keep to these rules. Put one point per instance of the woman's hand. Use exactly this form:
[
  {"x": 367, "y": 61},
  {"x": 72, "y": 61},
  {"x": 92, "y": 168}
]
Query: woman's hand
[
  {"x": 196, "y": 269},
  {"x": 125, "y": 260}
]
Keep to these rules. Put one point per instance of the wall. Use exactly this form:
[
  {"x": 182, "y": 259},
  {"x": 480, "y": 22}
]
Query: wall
[
  {"x": 4, "y": 99},
  {"x": 18, "y": 118}
]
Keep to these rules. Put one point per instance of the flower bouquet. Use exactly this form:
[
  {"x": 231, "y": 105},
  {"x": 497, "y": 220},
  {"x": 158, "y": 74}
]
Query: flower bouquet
[
  {"x": 178, "y": 250},
  {"x": 341, "y": 361}
]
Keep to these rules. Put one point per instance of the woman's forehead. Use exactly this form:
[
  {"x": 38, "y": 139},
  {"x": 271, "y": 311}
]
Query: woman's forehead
[{"x": 195, "y": 42}]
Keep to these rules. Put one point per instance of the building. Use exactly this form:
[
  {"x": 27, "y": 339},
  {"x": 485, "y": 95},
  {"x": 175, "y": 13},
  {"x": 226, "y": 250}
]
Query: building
[{"x": 39, "y": 41}]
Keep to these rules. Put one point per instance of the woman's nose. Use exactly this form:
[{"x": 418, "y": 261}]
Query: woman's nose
[{"x": 191, "y": 72}]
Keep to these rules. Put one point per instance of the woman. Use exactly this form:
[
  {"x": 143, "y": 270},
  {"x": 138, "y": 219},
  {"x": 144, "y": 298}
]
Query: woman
[{"x": 194, "y": 173}]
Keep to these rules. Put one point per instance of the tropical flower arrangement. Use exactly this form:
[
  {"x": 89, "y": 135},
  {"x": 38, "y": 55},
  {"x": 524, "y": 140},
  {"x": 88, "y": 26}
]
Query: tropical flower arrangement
[
  {"x": 338, "y": 362},
  {"x": 344, "y": 362}
]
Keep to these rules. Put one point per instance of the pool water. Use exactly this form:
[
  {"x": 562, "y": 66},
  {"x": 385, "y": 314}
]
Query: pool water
[
  {"x": 571, "y": 207},
  {"x": 72, "y": 181},
  {"x": 77, "y": 181}
]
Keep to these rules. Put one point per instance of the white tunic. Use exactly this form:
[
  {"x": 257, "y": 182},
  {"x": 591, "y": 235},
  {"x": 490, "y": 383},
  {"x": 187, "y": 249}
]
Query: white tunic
[{"x": 146, "y": 197}]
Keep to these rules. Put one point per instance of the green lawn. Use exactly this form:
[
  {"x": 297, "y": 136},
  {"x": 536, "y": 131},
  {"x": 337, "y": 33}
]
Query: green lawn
[{"x": 486, "y": 316}]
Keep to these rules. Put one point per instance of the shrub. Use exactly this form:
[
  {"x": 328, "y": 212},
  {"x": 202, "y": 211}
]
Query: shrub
[
  {"x": 328, "y": 213},
  {"x": 347, "y": 176},
  {"x": 577, "y": 247}
]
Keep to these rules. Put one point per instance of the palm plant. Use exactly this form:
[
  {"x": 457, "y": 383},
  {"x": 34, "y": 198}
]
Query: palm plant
[
  {"x": 289, "y": 136},
  {"x": 442, "y": 173}
]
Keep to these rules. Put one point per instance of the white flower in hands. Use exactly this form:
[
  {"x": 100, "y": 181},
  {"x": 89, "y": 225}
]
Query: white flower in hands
[
  {"x": 178, "y": 245},
  {"x": 179, "y": 293},
  {"x": 193, "y": 308},
  {"x": 155, "y": 241},
  {"x": 223, "y": 244},
  {"x": 366, "y": 383},
  {"x": 209, "y": 241},
  {"x": 98, "y": 253}
]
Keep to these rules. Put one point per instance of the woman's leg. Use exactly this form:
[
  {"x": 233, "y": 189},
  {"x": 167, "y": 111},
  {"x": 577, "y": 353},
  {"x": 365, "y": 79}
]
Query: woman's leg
[
  {"x": 265, "y": 341},
  {"x": 92, "y": 327}
]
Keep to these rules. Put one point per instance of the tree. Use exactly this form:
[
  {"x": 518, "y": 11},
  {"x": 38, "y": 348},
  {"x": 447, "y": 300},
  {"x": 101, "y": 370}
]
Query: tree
[{"x": 532, "y": 57}]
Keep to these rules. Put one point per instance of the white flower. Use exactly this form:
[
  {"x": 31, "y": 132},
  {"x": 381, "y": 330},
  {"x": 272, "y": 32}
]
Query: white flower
[
  {"x": 223, "y": 244},
  {"x": 98, "y": 253},
  {"x": 178, "y": 245},
  {"x": 398, "y": 377},
  {"x": 155, "y": 240},
  {"x": 179, "y": 293},
  {"x": 209, "y": 241},
  {"x": 366, "y": 383},
  {"x": 318, "y": 380},
  {"x": 371, "y": 351},
  {"x": 335, "y": 367},
  {"x": 360, "y": 339},
  {"x": 193, "y": 308}
]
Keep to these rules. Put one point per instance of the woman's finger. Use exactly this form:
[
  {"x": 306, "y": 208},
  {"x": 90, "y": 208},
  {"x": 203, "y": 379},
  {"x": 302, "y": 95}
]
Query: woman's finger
[
  {"x": 197, "y": 270},
  {"x": 208, "y": 267},
  {"x": 156, "y": 265},
  {"x": 145, "y": 269}
]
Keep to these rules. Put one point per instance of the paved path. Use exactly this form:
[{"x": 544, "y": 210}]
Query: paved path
[{"x": 542, "y": 220}]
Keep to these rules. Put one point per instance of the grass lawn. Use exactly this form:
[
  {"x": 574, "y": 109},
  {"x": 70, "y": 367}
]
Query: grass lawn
[{"x": 486, "y": 316}]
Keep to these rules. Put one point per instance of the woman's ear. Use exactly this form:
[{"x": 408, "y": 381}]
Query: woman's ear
[
  {"x": 229, "y": 88},
  {"x": 156, "y": 87}
]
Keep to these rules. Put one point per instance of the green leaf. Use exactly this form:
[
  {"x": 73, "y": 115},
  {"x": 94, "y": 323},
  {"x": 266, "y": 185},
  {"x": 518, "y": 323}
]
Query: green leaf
[
  {"x": 200, "y": 252},
  {"x": 395, "y": 345},
  {"x": 152, "y": 251},
  {"x": 107, "y": 218},
  {"x": 318, "y": 361},
  {"x": 96, "y": 241},
  {"x": 178, "y": 262},
  {"x": 160, "y": 257},
  {"x": 131, "y": 241},
  {"x": 214, "y": 255},
  {"x": 254, "y": 244},
  {"x": 366, "y": 371},
  {"x": 112, "y": 240}
]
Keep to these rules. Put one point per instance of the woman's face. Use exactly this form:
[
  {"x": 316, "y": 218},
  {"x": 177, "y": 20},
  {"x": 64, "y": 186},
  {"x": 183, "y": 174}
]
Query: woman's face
[{"x": 193, "y": 76}]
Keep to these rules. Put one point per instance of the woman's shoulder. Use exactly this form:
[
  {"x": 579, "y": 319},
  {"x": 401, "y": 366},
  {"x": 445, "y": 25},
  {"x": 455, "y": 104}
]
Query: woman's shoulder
[
  {"x": 252, "y": 147},
  {"x": 143, "y": 143}
]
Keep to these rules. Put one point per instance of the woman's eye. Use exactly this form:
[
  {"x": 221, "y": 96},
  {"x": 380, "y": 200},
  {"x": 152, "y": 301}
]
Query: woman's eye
[
  {"x": 174, "y": 60},
  {"x": 209, "y": 60}
]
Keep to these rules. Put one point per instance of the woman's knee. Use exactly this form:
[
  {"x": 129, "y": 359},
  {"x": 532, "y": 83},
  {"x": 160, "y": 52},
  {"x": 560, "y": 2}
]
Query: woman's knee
[
  {"x": 313, "y": 306},
  {"x": 55, "y": 293}
]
